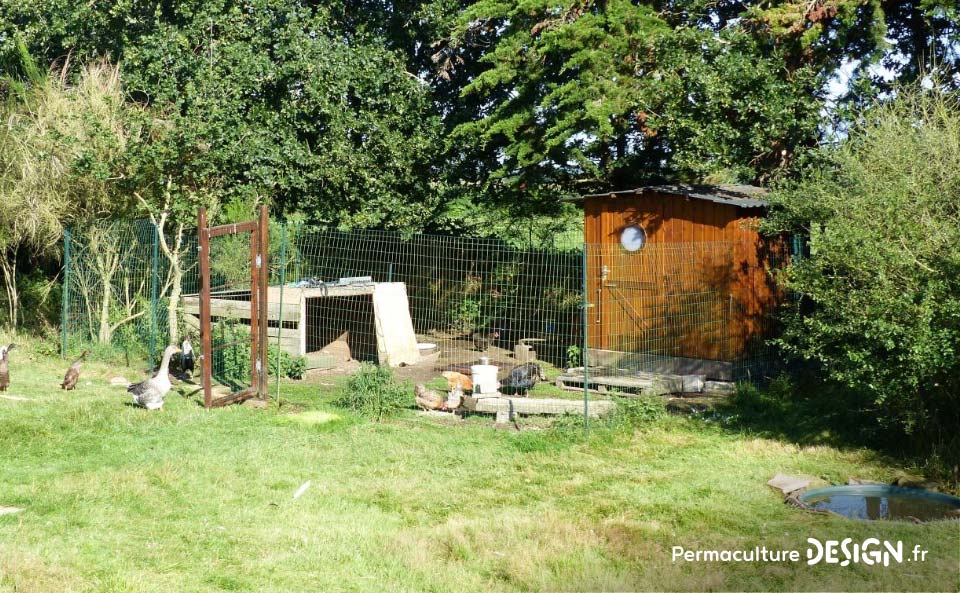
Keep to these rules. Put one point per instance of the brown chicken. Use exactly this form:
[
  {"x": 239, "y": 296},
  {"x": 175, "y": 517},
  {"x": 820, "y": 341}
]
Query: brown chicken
[
  {"x": 455, "y": 379},
  {"x": 428, "y": 399},
  {"x": 5, "y": 368},
  {"x": 73, "y": 373}
]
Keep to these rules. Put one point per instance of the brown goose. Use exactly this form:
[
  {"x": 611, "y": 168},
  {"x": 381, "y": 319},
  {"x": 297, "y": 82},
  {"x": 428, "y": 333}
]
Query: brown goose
[
  {"x": 73, "y": 373},
  {"x": 5, "y": 367}
]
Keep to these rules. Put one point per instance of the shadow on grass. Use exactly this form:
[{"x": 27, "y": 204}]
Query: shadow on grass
[{"x": 805, "y": 413}]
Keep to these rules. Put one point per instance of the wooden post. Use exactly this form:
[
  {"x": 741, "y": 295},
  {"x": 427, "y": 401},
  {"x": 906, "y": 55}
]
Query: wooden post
[
  {"x": 255, "y": 263},
  {"x": 206, "y": 357},
  {"x": 264, "y": 283}
]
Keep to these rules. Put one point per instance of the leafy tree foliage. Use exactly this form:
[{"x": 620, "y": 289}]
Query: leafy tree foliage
[
  {"x": 61, "y": 160},
  {"x": 567, "y": 96},
  {"x": 264, "y": 100},
  {"x": 880, "y": 292}
]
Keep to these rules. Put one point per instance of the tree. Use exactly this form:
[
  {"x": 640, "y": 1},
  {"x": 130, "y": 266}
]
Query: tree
[
  {"x": 879, "y": 304},
  {"x": 591, "y": 95},
  {"x": 61, "y": 148}
]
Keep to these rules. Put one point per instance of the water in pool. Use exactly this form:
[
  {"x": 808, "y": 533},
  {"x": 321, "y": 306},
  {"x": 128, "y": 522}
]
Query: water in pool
[{"x": 883, "y": 502}]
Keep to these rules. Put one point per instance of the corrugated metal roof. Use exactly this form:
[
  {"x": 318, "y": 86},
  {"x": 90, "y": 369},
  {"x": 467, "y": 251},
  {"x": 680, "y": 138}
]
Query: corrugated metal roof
[{"x": 742, "y": 196}]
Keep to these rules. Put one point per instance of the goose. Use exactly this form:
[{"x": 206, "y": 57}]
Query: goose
[
  {"x": 150, "y": 393},
  {"x": 186, "y": 358},
  {"x": 5, "y": 367},
  {"x": 73, "y": 373}
]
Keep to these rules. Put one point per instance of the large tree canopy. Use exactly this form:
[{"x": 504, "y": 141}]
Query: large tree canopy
[
  {"x": 263, "y": 100},
  {"x": 341, "y": 109},
  {"x": 578, "y": 95}
]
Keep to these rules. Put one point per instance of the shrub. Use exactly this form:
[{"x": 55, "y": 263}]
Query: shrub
[
  {"x": 231, "y": 365},
  {"x": 639, "y": 410},
  {"x": 879, "y": 292},
  {"x": 373, "y": 392}
]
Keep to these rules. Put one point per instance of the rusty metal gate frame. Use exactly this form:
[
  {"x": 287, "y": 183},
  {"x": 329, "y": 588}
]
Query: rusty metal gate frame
[{"x": 259, "y": 247}]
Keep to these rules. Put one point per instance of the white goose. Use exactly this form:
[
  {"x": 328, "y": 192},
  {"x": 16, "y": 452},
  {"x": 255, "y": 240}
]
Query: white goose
[{"x": 150, "y": 393}]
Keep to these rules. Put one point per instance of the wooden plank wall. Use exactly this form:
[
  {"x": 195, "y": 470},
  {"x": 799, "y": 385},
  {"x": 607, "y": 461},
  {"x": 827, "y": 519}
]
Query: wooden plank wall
[
  {"x": 699, "y": 288},
  {"x": 239, "y": 310}
]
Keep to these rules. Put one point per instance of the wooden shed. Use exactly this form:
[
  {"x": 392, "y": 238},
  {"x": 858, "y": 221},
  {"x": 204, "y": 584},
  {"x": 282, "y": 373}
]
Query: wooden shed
[{"x": 678, "y": 278}]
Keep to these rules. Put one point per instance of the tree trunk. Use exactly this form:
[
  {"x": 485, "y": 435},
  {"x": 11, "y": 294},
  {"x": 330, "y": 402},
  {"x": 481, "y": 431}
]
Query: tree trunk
[
  {"x": 8, "y": 264},
  {"x": 172, "y": 252},
  {"x": 106, "y": 333},
  {"x": 176, "y": 279}
]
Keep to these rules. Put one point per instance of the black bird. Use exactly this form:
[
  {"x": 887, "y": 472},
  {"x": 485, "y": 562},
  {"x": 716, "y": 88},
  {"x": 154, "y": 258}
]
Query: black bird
[
  {"x": 482, "y": 340},
  {"x": 522, "y": 378},
  {"x": 186, "y": 358}
]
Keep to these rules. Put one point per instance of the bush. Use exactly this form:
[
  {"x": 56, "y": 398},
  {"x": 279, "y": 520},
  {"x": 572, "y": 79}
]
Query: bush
[
  {"x": 879, "y": 292},
  {"x": 373, "y": 392},
  {"x": 231, "y": 365},
  {"x": 639, "y": 410}
]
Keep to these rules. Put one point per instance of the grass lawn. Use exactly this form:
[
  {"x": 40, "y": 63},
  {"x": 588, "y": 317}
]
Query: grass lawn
[{"x": 120, "y": 499}]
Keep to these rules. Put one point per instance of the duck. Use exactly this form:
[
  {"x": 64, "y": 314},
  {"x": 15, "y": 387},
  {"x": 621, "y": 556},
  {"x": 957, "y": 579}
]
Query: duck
[
  {"x": 150, "y": 393},
  {"x": 5, "y": 367},
  {"x": 186, "y": 358},
  {"x": 522, "y": 378},
  {"x": 72, "y": 376}
]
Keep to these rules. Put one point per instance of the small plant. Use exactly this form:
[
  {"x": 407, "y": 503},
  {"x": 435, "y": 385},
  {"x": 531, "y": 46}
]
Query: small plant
[
  {"x": 573, "y": 356},
  {"x": 373, "y": 392},
  {"x": 291, "y": 367},
  {"x": 465, "y": 316}
]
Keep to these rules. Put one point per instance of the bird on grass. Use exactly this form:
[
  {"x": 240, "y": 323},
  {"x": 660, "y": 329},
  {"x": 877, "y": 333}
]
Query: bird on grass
[
  {"x": 428, "y": 399},
  {"x": 522, "y": 378},
  {"x": 72, "y": 376},
  {"x": 150, "y": 393},
  {"x": 482, "y": 340},
  {"x": 5, "y": 367},
  {"x": 186, "y": 358}
]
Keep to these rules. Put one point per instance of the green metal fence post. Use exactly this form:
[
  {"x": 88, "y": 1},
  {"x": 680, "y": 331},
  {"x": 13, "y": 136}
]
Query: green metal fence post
[
  {"x": 283, "y": 280},
  {"x": 584, "y": 357},
  {"x": 153, "y": 295},
  {"x": 65, "y": 312}
]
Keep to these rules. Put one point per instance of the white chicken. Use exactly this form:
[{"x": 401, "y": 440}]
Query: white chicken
[{"x": 150, "y": 393}]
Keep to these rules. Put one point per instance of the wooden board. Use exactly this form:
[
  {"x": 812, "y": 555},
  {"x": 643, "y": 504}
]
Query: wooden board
[
  {"x": 396, "y": 340},
  {"x": 240, "y": 309},
  {"x": 647, "y": 384},
  {"x": 536, "y": 406},
  {"x": 667, "y": 365}
]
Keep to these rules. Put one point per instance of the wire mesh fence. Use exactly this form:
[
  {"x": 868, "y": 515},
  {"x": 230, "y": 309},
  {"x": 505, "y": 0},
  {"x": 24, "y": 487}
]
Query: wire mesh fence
[{"x": 560, "y": 328}]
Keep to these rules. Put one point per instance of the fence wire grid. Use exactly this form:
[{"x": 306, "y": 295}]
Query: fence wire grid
[{"x": 565, "y": 327}]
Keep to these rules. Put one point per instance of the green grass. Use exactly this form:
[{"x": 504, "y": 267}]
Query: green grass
[{"x": 120, "y": 499}]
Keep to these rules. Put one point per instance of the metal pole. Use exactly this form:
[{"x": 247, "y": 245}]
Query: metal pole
[
  {"x": 64, "y": 319},
  {"x": 584, "y": 358},
  {"x": 153, "y": 295},
  {"x": 283, "y": 280}
]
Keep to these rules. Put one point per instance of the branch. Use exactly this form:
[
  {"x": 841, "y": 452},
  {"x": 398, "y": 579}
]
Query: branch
[{"x": 114, "y": 327}]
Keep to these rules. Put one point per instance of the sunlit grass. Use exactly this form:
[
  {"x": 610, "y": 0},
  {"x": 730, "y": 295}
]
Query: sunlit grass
[{"x": 120, "y": 499}]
